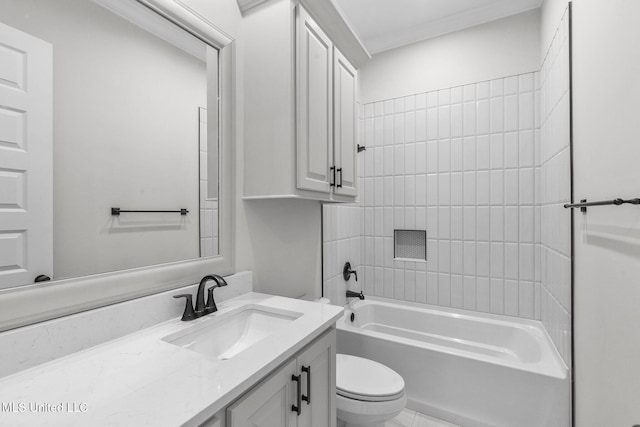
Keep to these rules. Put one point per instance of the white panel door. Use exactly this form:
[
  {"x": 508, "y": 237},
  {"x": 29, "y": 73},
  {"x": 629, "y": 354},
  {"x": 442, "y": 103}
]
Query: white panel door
[
  {"x": 26, "y": 188},
  {"x": 314, "y": 106},
  {"x": 345, "y": 125},
  {"x": 268, "y": 404},
  {"x": 317, "y": 366}
]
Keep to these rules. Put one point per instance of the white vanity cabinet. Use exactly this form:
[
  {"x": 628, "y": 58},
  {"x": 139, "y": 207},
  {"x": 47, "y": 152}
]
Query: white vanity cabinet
[
  {"x": 305, "y": 382},
  {"x": 300, "y": 107}
]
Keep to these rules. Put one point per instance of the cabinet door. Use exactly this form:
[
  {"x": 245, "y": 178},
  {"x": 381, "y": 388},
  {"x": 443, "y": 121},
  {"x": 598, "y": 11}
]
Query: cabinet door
[
  {"x": 317, "y": 365},
  {"x": 314, "y": 106},
  {"x": 269, "y": 404},
  {"x": 345, "y": 125}
]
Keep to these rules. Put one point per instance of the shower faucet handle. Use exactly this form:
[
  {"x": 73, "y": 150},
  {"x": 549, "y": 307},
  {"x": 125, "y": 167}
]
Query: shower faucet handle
[
  {"x": 189, "y": 313},
  {"x": 347, "y": 272}
]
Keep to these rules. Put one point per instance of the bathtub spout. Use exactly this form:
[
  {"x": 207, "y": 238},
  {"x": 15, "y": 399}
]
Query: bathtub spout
[{"x": 351, "y": 294}]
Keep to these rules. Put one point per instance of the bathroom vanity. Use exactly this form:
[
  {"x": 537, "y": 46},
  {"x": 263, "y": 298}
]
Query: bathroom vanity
[{"x": 221, "y": 369}]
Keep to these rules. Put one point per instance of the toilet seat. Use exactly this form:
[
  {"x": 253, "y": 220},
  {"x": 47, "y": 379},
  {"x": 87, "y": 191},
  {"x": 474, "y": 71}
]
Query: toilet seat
[{"x": 366, "y": 380}]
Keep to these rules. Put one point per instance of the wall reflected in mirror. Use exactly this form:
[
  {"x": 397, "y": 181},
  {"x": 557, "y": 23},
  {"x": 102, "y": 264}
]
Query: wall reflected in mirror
[{"x": 131, "y": 129}]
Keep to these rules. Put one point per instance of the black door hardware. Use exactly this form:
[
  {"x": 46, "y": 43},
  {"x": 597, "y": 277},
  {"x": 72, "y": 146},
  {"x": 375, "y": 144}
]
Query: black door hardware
[
  {"x": 297, "y": 408},
  {"x": 307, "y": 370}
]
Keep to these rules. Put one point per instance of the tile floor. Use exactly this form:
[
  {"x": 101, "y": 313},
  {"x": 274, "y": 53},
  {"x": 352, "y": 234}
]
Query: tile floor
[{"x": 409, "y": 418}]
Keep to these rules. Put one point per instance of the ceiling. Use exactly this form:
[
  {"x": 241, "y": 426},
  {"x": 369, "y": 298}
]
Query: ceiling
[{"x": 387, "y": 24}]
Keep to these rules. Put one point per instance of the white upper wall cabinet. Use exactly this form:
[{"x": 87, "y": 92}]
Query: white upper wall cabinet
[
  {"x": 344, "y": 125},
  {"x": 315, "y": 162},
  {"x": 300, "y": 106}
]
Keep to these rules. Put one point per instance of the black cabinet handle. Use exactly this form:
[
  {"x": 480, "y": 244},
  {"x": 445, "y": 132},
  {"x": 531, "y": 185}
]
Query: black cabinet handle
[
  {"x": 307, "y": 370},
  {"x": 298, "y": 408},
  {"x": 339, "y": 170},
  {"x": 332, "y": 171}
]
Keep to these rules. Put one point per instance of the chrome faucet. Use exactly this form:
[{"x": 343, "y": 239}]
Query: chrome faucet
[{"x": 202, "y": 309}]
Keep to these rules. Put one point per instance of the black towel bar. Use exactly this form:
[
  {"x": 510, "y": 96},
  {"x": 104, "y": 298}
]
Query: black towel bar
[
  {"x": 118, "y": 211},
  {"x": 584, "y": 204}
]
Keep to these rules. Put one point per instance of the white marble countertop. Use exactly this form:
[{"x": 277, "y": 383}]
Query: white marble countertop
[{"x": 141, "y": 380}]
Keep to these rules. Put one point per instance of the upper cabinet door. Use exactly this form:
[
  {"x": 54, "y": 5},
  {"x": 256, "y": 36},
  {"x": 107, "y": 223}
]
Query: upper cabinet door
[
  {"x": 314, "y": 106},
  {"x": 345, "y": 125},
  {"x": 26, "y": 201}
]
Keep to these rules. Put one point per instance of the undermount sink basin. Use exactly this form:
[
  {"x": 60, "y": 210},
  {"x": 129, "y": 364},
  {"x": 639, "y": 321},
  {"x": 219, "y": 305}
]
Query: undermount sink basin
[{"x": 227, "y": 334}]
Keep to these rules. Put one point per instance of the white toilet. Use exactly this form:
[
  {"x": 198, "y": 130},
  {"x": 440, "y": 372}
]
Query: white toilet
[{"x": 368, "y": 393}]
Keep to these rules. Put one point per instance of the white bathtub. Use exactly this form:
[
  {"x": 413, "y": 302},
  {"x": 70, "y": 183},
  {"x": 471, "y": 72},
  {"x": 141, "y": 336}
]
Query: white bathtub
[{"x": 472, "y": 369}]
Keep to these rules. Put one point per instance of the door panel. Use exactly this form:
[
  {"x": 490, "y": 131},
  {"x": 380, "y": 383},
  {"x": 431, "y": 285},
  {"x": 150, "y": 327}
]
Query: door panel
[
  {"x": 320, "y": 380},
  {"x": 267, "y": 405},
  {"x": 26, "y": 188},
  {"x": 315, "y": 94},
  {"x": 345, "y": 125}
]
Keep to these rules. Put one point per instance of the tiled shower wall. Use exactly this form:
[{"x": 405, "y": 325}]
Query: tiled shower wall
[
  {"x": 460, "y": 163},
  {"x": 555, "y": 190}
]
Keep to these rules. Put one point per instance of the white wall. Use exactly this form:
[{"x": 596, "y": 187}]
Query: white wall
[
  {"x": 607, "y": 239},
  {"x": 501, "y": 48}
]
